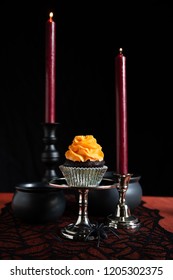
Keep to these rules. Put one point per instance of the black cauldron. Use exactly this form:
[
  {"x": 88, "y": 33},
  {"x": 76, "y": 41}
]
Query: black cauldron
[{"x": 38, "y": 202}]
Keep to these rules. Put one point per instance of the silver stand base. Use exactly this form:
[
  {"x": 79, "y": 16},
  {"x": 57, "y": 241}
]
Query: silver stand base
[
  {"x": 129, "y": 223},
  {"x": 78, "y": 232}
]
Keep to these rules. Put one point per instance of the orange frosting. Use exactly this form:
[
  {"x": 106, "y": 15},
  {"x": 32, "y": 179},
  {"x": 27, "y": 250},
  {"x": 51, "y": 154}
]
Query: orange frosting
[{"x": 84, "y": 148}]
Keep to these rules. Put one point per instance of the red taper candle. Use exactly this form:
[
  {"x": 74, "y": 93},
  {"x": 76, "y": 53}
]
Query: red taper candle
[
  {"x": 50, "y": 86},
  {"x": 121, "y": 114}
]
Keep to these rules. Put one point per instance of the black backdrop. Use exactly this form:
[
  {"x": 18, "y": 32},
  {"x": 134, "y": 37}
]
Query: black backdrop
[{"x": 89, "y": 34}]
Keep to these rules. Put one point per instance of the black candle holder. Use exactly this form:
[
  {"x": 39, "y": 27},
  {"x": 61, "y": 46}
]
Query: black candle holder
[{"x": 50, "y": 155}]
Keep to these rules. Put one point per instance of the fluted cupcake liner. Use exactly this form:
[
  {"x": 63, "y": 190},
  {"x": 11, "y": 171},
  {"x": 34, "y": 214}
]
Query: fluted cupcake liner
[{"x": 83, "y": 177}]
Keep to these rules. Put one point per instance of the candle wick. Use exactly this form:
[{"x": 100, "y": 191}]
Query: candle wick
[
  {"x": 51, "y": 16},
  {"x": 120, "y": 50}
]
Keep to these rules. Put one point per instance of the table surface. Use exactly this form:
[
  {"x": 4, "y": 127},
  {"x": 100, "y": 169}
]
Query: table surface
[
  {"x": 154, "y": 240},
  {"x": 163, "y": 204}
]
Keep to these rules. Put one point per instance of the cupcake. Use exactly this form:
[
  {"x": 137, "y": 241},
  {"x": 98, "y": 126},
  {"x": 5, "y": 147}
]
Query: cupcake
[{"x": 84, "y": 164}]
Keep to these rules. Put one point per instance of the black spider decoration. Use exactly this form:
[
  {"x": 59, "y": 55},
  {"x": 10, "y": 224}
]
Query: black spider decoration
[{"x": 99, "y": 232}]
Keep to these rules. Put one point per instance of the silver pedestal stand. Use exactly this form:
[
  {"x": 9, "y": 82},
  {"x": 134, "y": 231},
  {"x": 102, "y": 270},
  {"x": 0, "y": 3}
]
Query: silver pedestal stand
[{"x": 82, "y": 229}]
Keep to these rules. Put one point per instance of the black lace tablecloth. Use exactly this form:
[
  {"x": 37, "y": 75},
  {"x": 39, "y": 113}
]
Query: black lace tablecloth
[{"x": 19, "y": 240}]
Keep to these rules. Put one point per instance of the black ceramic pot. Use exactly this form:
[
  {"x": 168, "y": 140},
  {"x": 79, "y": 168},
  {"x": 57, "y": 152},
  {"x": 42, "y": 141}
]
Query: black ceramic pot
[
  {"x": 103, "y": 202},
  {"x": 38, "y": 202}
]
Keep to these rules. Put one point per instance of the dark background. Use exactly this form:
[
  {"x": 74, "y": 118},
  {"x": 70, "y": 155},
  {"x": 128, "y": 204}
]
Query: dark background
[{"x": 89, "y": 34}]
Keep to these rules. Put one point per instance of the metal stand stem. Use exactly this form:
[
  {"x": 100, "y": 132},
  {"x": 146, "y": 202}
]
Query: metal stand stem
[{"x": 82, "y": 228}]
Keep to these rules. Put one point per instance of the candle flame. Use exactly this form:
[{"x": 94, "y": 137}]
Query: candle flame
[
  {"x": 51, "y": 16},
  {"x": 120, "y": 50}
]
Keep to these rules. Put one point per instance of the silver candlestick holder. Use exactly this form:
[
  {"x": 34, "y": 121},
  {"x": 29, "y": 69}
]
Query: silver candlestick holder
[{"x": 122, "y": 217}]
